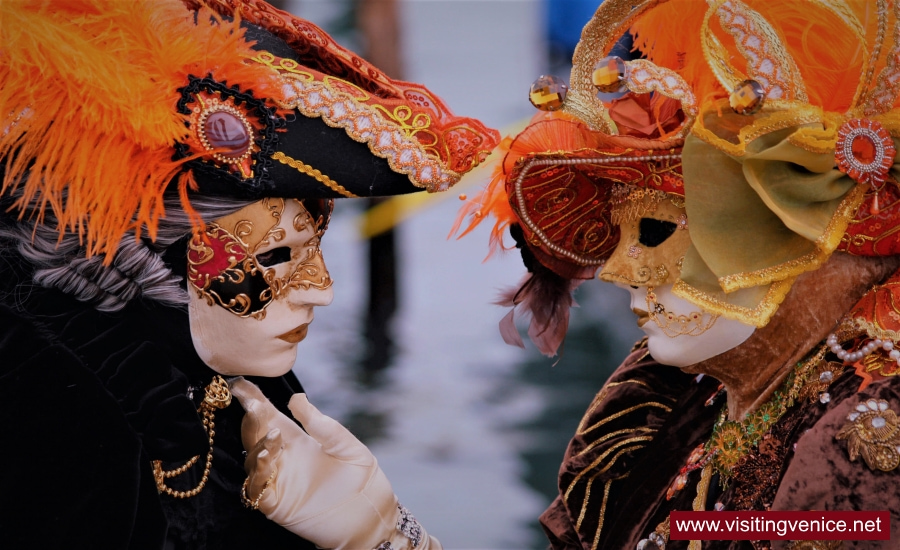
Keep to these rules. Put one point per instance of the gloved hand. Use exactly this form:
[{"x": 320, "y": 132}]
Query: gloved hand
[{"x": 322, "y": 484}]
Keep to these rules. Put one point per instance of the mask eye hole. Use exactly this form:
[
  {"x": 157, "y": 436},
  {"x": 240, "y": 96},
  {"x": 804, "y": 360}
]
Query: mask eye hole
[
  {"x": 274, "y": 257},
  {"x": 655, "y": 232}
]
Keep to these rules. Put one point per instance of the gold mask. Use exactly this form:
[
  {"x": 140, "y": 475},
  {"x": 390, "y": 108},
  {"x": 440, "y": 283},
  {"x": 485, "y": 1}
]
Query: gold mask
[{"x": 653, "y": 239}]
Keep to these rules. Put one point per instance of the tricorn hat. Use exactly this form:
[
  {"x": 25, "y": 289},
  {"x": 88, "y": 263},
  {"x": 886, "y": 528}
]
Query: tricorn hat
[{"x": 107, "y": 105}]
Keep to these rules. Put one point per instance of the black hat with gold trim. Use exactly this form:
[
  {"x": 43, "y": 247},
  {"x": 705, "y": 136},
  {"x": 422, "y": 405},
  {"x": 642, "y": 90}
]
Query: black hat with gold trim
[{"x": 106, "y": 105}]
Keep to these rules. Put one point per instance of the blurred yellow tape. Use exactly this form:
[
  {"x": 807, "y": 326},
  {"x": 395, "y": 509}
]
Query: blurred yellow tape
[{"x": 386, "y": 215}]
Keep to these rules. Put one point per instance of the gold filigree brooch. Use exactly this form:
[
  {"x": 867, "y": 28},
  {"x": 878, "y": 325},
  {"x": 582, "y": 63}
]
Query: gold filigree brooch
[{"x": 873, "y": 432}]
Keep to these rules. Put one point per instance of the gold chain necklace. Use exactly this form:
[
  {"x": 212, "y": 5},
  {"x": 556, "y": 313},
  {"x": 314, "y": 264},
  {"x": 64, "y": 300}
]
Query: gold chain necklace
[{"x": 217, "y": 396}]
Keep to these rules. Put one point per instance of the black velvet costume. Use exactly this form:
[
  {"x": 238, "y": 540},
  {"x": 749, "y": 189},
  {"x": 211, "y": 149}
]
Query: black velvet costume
[{"x": 88, "y": 400}]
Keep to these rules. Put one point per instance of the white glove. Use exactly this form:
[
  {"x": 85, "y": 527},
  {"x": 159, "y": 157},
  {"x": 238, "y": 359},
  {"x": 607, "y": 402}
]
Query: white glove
[{"x": 322, "y": 484}]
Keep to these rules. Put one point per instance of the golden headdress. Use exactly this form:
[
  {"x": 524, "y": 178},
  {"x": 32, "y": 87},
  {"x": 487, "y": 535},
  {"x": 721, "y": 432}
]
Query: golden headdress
[{"x": 789, "y": 132}]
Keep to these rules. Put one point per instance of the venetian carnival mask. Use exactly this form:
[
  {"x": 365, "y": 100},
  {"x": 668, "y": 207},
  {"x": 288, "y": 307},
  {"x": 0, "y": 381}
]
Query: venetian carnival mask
[
  {"x": 255, "y": 277},
  {"x": 647, "y": 261}
]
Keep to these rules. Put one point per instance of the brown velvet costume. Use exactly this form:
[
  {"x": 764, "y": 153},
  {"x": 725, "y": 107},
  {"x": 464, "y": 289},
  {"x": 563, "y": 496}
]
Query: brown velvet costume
[{"x": 643, "y": 425}]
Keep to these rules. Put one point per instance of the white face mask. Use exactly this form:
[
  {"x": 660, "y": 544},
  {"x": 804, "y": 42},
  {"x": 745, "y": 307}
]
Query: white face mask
[
  {"x": 253, "y": 286},
  {"x": 683, "y": 334},
  {"x": 647, "y": 262}
]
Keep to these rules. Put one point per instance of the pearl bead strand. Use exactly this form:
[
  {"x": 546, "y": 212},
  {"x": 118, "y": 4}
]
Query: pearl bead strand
[{"x": 871, "y": 346}]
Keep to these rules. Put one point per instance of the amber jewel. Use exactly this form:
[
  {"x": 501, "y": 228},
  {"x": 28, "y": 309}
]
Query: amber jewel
[
  {"x": 609, "y": 75},
  {"x": 548, "y": 93},
  {"x": 747, "y": 98}
]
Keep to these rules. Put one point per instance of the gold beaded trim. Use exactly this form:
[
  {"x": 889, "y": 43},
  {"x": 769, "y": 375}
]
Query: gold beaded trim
[
  {"x": 314, "y": 173},
  {"x": 217, "y": 396}
]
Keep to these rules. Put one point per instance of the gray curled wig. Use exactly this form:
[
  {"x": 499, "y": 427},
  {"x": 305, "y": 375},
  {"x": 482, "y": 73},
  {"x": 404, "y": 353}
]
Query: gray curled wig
[{"x": 137, "y": 270}]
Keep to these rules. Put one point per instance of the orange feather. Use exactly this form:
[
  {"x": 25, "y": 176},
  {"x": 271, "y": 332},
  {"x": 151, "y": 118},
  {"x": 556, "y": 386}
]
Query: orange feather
[
  {"x": 88, "y": 90},
  {"x": 828, "y": 54}
]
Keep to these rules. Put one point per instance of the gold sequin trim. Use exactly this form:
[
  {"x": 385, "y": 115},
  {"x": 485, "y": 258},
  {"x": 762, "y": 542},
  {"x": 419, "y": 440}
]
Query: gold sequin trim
[
  {"x": 781, "y": 276},
  {"x": 611, "y": 463},
  {"x": 313, "y": 173},
  {"x": 610, "y": 435},
  {"x": 776, "y": 115},
  {"x": 602, "y": 510},
  {"x": 819, "y": 141},
  {"x": 598, "y": 399}
]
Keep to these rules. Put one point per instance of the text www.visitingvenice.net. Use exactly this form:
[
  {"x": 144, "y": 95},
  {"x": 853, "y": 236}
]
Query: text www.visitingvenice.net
[{"x": 796, "y": 525}]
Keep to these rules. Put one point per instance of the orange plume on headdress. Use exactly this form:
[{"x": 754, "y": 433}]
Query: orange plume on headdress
[
  {"x": 88, "y": 90},
  {"x": 831, "y": 73}
]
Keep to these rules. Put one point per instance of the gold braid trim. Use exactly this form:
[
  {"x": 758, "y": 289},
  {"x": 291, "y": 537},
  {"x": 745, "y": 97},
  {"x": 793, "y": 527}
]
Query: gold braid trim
[
  {"x": 313, "y": 173},
  {"x": 597, "y": 38},
  {"x": 699, "y": 503},
  {"x": 603, "y": 510},
  {"x": 758, "y": 316},
  {"x": 874, "y": 331},
  {"x": 391, "y": 140},
  {"x": 624, "y": 412},
  {"x": 612, "y": 461}
]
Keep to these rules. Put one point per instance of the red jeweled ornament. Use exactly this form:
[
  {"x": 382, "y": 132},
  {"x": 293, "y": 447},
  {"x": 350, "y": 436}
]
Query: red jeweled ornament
[
  {"x": 227, "y": 133},
  {"x": 224, "y": 131},
  {"x": 864, "y": 151}
]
